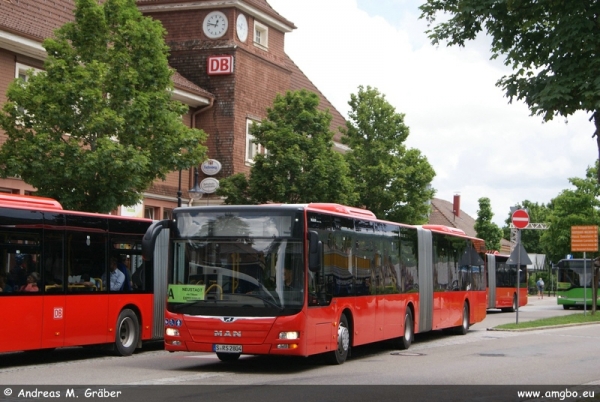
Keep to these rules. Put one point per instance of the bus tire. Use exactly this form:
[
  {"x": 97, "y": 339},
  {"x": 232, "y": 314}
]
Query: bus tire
[
  {"x": 128, "y": 333},
  {"x": 464, "y": 327},
  {"x": 228, "y": 357},
  {"x": 340, "y": 354},
  {"x": 565, "y": 307},
  {"x": 405, "y": 341}
]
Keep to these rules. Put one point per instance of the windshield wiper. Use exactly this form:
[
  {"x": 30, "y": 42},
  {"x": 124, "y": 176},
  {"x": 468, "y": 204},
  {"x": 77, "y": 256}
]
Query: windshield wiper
[{"x": 258, "y": 296}]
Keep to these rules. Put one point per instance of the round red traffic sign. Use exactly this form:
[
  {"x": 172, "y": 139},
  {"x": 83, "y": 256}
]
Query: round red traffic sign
[{"x": 520, "y": 218}]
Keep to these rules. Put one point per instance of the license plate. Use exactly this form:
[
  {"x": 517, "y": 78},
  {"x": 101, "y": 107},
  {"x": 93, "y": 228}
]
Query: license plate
[{"x": 227, "y": 348}]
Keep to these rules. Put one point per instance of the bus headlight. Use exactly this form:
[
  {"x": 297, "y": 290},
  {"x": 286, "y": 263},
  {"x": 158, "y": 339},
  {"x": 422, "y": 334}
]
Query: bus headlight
[
  {"x": 289, "y": 335},
  {"x": 172, "y": 332}
]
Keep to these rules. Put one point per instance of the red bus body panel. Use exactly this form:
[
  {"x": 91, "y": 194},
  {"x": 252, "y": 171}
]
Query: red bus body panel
[
  {"x": 374, "y": 318},
  {"x": 52, "y": 321},
  {"x": 504, "y": 297}
]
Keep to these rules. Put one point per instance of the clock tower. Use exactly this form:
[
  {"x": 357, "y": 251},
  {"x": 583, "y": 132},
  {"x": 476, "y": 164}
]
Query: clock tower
[{"x": 234, "y": 50}]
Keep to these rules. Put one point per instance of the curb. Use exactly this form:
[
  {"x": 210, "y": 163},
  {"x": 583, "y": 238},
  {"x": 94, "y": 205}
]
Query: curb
[{"x": 544, "y": 327}]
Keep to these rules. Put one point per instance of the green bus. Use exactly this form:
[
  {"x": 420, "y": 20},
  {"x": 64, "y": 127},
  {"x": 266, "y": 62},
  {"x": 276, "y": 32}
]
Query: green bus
[{"x": 575, "y": 279}]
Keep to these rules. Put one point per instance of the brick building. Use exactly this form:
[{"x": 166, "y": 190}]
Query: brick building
[{"x": 241, "y": 42}]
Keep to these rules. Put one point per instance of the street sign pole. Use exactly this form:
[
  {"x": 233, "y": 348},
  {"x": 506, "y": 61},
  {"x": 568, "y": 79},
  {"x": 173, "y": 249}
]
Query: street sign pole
[
  {"x": 585, "y": 284},
  {"x": 518, "y": 273},
  {"x": 520, "y": 219}
]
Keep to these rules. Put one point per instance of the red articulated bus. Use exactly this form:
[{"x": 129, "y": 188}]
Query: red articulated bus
[
  {"x": 57, "y": 288},
  {"x": 502, "y": 283},
  {"x": 309, "y": 279}
]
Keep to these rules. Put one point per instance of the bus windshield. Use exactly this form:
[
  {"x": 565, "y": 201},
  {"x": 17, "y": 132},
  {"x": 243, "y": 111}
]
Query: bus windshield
[
  {"x": 246, "y": 263},
  {"x": 571, "y": 273}
]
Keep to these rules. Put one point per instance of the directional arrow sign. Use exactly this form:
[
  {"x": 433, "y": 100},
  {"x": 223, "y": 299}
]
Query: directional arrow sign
[{"x": 520, "y": 218}]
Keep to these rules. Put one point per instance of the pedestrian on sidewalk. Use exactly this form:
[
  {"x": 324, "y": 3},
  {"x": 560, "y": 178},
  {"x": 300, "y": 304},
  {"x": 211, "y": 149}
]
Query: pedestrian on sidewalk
[{"x": 540, "y": 286}]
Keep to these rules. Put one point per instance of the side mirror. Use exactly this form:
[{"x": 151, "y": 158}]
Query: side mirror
[{"x": 315, "y": 252}]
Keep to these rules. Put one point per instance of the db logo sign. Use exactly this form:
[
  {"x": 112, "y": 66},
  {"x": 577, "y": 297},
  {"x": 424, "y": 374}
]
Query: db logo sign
[{"x": 220, "y": 65}]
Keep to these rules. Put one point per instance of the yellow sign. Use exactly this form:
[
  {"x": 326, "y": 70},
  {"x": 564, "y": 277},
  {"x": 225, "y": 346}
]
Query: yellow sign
[
  {"x": 584, "y": 238},
  {"x": 185, "y": 293}
]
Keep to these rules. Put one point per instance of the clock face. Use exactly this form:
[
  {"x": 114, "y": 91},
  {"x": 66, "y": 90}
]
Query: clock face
[
  {"x": 241, "y": 27},
  {"x": 215, "y": 24}
]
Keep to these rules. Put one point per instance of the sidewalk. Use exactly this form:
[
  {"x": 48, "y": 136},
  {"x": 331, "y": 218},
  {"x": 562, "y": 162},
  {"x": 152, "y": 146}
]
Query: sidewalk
[{"x": 546, "y": 301}]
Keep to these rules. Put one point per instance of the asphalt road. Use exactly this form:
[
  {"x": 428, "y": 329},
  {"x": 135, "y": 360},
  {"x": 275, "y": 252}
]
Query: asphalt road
[{"x": 456, "y": 366}]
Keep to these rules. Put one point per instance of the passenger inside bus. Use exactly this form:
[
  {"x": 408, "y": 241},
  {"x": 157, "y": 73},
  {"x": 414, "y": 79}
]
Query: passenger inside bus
[
  {"x": 87, "y": 281},
  {"x": 32, "y": 283},
  {"x": 127, "y": 284},
  {"x": 117, "y": 278},
  {"x": 292, "y": 287},
  {"x": 17, "y": 277}
]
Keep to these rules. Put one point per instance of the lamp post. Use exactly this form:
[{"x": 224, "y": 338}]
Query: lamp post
[
  {"x": 195, "y": 192},
  {"x": 179, "y": 190}
]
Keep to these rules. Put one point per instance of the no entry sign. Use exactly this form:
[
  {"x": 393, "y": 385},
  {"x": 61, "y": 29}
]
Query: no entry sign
[{"x": 520, "y": 218}]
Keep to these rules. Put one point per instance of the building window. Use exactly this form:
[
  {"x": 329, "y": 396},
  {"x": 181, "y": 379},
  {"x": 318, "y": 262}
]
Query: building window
[
  {"x": 261, "y": 35},
  {"x": 252, "y": 148},
  {"x": 21, "y": 71},
  {"x": 167, "y": 213},
  {"x": 151, "y": 212}
]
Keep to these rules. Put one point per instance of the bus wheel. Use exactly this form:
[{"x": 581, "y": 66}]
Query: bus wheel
[
  {"x": 228, "y": 357},
  {"x": 128, "y": 333},
  {"x": 405, "y": 341},
  {"x": 464, "y": 327},
  {"x": 340, "y": 355},
  {"x": 566, "y": 307}
]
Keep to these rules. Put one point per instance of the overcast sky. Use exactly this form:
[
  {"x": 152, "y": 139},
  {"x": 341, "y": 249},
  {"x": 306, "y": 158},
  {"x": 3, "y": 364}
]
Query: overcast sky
[{"x": 478, "y": 144}]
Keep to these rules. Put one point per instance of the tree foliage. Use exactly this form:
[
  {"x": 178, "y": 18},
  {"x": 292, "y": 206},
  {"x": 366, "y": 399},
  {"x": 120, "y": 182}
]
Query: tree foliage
[
  {"x": 578, "y": 207},
  {"x": 98, "y": 126},
  {"x": 300, "y": 164},
  {"x": 572, "y": 207},
  {"x": 552, "y": 47},
  {"x": 485, "y": 228},
  {"x": 391, "y": 181}
]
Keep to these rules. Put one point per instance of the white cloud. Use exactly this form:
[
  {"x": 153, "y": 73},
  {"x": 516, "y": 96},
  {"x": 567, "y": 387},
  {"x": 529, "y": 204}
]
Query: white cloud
[{"x": 478, "y": 143}]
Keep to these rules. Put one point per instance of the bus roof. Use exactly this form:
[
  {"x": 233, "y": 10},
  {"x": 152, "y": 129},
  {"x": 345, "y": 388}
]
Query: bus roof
[
  {"x": 32, "y": 202},
  {"x": 29, "y": 202},
  {"x": 575, "y": 263},
  {"x": 444, "y": 229}
]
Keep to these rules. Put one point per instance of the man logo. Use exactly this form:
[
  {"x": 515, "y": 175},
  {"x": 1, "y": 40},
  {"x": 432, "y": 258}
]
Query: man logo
[
  {"x": 228, "y": 319},
  {"x": 235, "y": 334}
]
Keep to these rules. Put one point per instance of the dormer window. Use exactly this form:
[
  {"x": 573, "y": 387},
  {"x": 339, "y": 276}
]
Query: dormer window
[{"x": 261, "y": 35}]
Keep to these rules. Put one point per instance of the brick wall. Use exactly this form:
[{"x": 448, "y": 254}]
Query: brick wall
[{"x": 259, "y": 75}]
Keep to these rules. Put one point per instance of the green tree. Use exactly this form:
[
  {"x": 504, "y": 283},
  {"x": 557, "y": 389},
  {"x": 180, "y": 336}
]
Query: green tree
[
  {"x": 485, "y": 228},
  {"x": 578, "y": 207},
  {"x": 98, "y": 126},
  {"x": 391, "y": 181},
  {"x": 552, "y": 47},
  {"x": 300, "y": 164},
  {"x": 572, "y": 207},
  {"x": 530, "y": 238}
]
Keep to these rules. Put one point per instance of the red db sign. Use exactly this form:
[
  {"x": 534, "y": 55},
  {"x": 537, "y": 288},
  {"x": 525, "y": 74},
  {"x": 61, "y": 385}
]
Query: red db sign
[{"x": 220, "y": 65}]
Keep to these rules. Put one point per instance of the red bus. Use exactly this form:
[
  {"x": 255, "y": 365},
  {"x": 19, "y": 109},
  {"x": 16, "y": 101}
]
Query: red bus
[
  {"x": 312, "y": 279},
  {"x": 502, "y": 283},
  {"x": 55, "y": 292}
]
